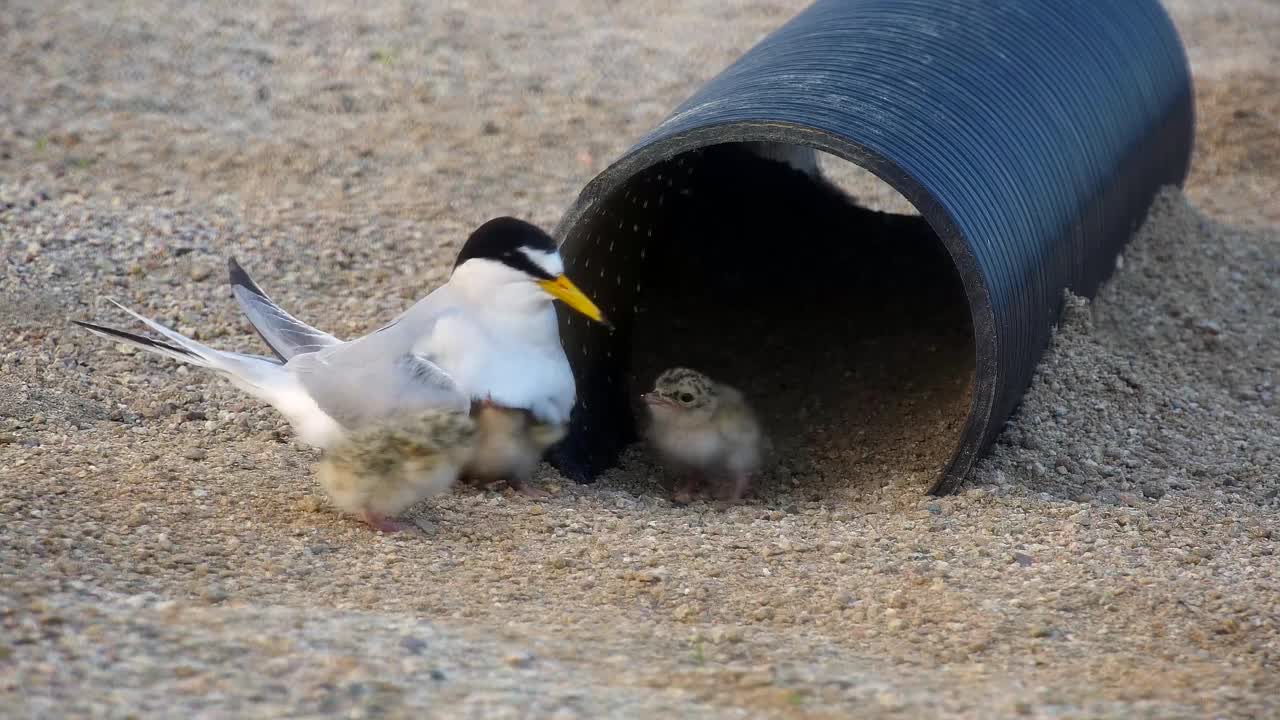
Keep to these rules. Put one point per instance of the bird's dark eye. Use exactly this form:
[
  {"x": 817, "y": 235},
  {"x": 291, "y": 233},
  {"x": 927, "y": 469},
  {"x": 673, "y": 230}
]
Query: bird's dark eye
[{"x": 686, "y": 398}]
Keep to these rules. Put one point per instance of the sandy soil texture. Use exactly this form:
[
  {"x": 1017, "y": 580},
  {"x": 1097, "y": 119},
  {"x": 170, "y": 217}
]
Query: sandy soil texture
[{"x": 164, "y": 549}]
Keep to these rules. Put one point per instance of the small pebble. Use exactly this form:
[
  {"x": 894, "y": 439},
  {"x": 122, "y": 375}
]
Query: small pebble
[{"x": 519, "y": 659}]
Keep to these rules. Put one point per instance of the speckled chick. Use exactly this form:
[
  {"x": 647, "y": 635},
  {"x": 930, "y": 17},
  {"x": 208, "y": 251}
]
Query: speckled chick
[
  {"x": 705, "y": 431},
  {"x": 383, "y": 469},
  {"x": 510, "y": 443}
]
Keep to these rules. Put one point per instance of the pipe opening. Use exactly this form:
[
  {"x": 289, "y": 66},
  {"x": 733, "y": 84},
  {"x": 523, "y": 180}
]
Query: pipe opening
[{"x": 846, "y": 327}]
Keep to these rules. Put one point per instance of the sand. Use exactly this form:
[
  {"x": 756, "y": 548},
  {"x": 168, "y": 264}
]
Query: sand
[{"x": 165, "y": 550}]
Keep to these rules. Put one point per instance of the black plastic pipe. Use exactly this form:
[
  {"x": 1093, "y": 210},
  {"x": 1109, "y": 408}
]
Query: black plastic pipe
[{"x": 1031, "y": 135}]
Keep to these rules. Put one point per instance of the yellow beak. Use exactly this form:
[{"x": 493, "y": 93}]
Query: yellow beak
[{"x": 568, "y": 293}]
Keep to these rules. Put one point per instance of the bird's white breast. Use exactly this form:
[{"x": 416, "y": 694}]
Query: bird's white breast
[
  {"x": 691, "y": 445},
  {"x": 514, "y": 370}
]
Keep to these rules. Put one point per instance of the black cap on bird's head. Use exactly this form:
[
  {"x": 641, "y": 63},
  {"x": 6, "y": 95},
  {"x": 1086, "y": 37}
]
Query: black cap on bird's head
[
  {"x": 526, "y": 248},
  {"x": 502, "y": 239}
]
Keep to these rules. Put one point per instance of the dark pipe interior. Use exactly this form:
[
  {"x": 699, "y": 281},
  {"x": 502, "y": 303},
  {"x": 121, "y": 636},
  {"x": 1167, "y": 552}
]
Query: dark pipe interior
[{"x": 847, "y": 328}]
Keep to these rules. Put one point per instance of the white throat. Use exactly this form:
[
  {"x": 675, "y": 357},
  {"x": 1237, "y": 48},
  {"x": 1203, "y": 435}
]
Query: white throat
[{"x": 510, "y": 301}]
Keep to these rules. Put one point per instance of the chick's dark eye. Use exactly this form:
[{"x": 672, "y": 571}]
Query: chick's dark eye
[{"x": 686, "y": 397}]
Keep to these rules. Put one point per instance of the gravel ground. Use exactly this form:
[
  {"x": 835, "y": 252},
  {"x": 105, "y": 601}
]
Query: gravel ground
[{"x": 164, "y": 549}]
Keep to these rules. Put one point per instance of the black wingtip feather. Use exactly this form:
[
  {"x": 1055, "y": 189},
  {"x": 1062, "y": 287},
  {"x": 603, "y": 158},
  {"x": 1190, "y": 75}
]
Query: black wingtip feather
[
  {"x": 241, "y": 278},
  {"x": 140, "y": 339}
]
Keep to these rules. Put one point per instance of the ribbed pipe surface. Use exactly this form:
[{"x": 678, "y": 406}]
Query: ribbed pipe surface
[{"x": 1032, "y": 135}]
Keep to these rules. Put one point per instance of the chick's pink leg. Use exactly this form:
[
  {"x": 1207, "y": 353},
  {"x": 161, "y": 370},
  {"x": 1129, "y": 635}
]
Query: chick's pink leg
[
  {"x": 524, "y": 488},
  {"x": 737, "y": 487},
  {"x": 686, "y": 488},
  {"x": 382, "y": 523}
]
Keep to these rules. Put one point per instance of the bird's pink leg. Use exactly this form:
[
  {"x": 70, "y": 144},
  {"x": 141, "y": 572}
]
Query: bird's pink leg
[
  {"x": 738, "y": 484},
  {"x": 382, "y": 523},
  {"x": 687, "y": 487},
  {"x": 524, "y": 488}
]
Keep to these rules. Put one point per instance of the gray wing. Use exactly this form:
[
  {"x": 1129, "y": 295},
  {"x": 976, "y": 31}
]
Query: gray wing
[
  {"x": 355, "y": 396},
  {"x": 382, "y": 374},
  {"x": 286, "y": 335}
]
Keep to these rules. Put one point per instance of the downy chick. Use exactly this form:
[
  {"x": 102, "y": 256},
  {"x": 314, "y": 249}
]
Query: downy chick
[
  {"x": 705, "y": 431},
  {"x": 380, "y": 471},
  {"x": 510, "y": 442}
]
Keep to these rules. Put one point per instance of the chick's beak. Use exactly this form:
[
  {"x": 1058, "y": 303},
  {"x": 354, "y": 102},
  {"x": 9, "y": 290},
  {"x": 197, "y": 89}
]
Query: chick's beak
[
  {"x": 562, "y": 289},
  {"x": 654, "y": 399}
]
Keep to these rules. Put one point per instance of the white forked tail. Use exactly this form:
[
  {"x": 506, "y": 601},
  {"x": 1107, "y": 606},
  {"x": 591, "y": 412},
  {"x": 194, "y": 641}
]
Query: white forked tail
[
  {"x": 264, "y": 378},
  {"x": 254, "y": 374}
]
